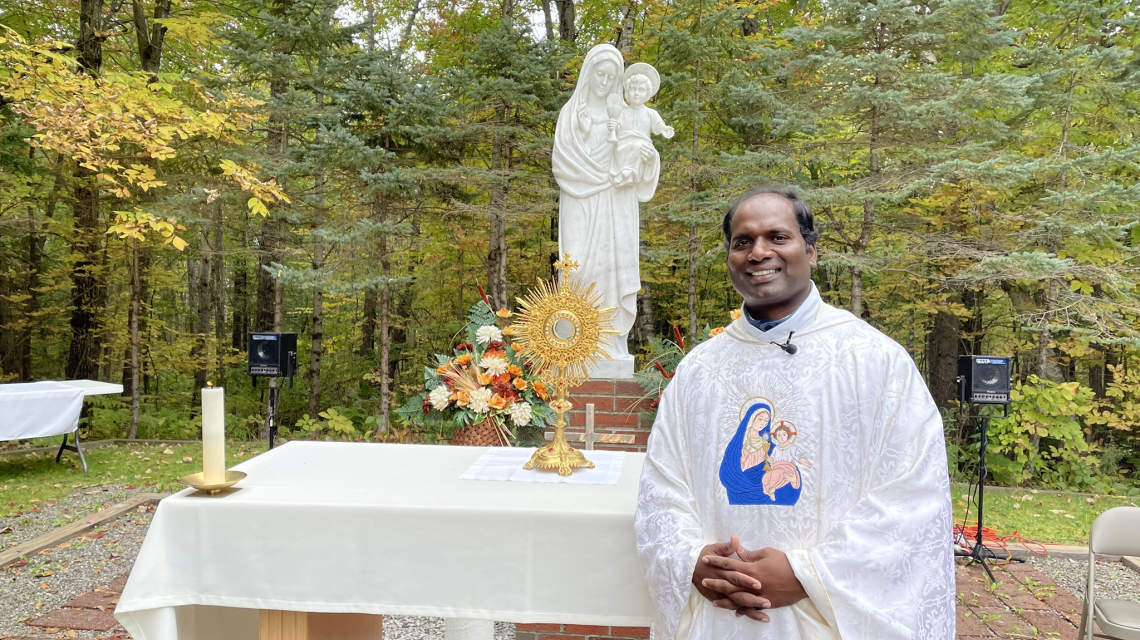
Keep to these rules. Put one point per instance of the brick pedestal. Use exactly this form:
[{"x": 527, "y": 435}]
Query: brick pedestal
[
  {"x": 619, "y": 409},
  {"x": 576, "y": 632}
]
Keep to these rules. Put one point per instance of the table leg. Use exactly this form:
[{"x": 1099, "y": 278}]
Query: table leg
[
  {"x": 77, "y": 449},
  {"x": 300, "y": 625}
]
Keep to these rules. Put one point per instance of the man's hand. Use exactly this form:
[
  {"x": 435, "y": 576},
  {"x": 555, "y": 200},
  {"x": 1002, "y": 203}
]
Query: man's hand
[
  {"x": 780, "y": 587},
  {"x": 706, "y": 574}
]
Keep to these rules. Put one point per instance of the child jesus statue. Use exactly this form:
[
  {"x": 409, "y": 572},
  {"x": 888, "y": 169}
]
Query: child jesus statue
[{"x": 635, "y": 160}]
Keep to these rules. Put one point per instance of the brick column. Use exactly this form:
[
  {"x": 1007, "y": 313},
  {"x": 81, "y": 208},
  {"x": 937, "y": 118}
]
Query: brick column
[
  {"x": 576, "y": 632},
  {"x": 619, "y": 408}
]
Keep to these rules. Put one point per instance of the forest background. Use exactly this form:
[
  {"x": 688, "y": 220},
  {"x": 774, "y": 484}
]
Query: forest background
[{"x": 177, "y": 173}]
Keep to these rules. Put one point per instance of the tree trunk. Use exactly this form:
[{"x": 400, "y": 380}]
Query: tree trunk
[
  {"x": 218, "y": 287},
  {"x": 269, "y": 249},
  {"x": 84, "y": 347},
  {"x": 691, "y": 247},
  {"x": 200, "y": 352},
  {"x": 566, "y": 29},
  {"x": 942, "y": 359},
  {"x": 240, "y": 305},
  {"x": 643, "y": 325},
  {"x": 135, "y": 293},
  {"x": 316, "y": 331},
  {"x": 547, "y": 19},
  {"x": 385, "y": 324},
  {"x": 497, "y": 254},
  {"x": 694, "y": 184},
  {"x": 368, "y": 324},
  {"x": 860, "y": 248}
]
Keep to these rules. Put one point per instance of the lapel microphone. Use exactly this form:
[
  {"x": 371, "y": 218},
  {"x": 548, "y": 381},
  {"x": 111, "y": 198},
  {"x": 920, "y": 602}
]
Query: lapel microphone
[{"x": 787, "y": 345}]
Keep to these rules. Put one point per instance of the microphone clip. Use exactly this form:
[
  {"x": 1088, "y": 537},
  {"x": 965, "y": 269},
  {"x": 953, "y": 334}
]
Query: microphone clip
[{"x": 787, "y": 345}]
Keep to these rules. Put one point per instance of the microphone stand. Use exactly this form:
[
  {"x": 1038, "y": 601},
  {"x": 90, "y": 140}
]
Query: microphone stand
[{"x": 980, "y": 552}]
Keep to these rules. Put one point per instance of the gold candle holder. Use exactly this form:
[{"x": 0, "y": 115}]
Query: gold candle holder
[{"x": 198, "y": 481}]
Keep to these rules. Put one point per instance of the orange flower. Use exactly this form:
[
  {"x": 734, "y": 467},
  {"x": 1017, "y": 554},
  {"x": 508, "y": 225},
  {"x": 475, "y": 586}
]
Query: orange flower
[
  {"x": 497, "y": 401},
  {"x": 463, "y": 359},
  {"x": 509, "y": 331},
  {"x": 505, "y": 377},
  {"x": 520, "y": 384},
  {"x": 462, "y": 398},
  {"x": 503, "y": 313},
  {"x": 443, "y": 368},
  {"x": 519, "y": 348},
  {"x": 514, "y": 370},
  {"x": 735, "y": 314},
  {"x": 716, "y": 332},
  {"x": 485, "y": 379},
  {"x": 540, "y": 389}
]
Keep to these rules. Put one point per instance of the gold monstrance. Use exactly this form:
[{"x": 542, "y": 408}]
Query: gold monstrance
[{"x": 560, "y": 332}]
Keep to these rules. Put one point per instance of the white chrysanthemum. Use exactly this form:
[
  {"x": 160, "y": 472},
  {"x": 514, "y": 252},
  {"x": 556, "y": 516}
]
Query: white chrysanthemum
[
  {"x": 488, "y": 333},
  {"x": 494, "y": 365},
  {"x": 480, "y": 399},
  {"x": 440, "y": 397},
  {"x": 520, "y": 413}
]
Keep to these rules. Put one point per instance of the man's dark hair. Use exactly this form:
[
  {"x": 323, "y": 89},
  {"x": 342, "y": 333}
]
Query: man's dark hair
[{"x": 804, "y": 218}]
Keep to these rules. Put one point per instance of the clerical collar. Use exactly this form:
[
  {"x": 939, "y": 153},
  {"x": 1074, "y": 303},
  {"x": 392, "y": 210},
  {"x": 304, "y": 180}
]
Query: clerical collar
[
  {"x": 796, "y": 321},
  {"x": 766, "y": 325}
]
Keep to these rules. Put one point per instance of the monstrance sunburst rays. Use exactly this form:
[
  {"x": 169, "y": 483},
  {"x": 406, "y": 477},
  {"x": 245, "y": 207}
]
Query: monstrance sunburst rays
[{"x": 560, "y": 332}]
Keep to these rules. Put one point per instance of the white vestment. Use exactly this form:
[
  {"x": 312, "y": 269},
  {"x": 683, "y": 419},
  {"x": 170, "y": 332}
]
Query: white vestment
[{"x": 866, "y": 527}]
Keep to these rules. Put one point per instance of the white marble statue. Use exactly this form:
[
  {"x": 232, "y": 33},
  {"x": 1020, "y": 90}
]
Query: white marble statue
[{"x": 605, "y": 164}]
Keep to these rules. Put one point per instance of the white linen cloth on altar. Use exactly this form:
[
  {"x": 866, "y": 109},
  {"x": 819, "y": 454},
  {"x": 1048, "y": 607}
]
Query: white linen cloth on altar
[
  {"x": 506, "y": 463},
  {"x": 39, "y": 409},
  {"x": 385, "y": 529},
  {"x": 834, "y": 455}
]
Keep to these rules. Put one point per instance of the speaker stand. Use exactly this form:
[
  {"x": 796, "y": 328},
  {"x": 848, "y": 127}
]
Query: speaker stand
[
  {"x": 271, "y": 420},
  {"x": 980, "y": 552}
]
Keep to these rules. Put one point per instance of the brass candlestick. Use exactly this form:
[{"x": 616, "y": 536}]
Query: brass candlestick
[{"x": 560, "y": 333}]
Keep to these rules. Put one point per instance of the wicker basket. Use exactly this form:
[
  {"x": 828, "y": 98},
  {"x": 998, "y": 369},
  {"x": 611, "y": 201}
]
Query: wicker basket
[{"x": 483, "y": 434}]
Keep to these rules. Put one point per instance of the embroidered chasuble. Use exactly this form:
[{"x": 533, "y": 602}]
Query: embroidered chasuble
[{"x": 833, "y": 455}]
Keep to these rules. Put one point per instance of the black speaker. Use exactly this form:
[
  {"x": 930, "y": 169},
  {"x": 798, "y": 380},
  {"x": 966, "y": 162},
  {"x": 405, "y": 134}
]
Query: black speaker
[
  {"x": 272, "y": 355},
  {"x": 983, "y": 379}
]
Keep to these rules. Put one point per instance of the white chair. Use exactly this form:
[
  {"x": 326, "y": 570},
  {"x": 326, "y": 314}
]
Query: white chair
[{"x": 1114, "y": 532}]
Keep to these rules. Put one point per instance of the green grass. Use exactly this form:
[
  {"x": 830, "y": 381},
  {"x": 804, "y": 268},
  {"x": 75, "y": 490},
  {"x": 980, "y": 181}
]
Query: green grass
[
  {"x": 28, "y": 481},
  {"x": 1045, "y": 516}
]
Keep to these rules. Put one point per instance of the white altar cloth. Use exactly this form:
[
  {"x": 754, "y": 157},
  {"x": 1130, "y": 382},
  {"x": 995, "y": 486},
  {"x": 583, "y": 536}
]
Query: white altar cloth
[
  {"x": 385, "y": 529},
  {"x": 506, "y": 463},
  {"x": 38, "y": 409}
]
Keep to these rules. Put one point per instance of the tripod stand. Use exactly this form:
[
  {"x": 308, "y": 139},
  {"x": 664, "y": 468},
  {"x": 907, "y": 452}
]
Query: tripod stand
[{"x": 980, "y": 552}]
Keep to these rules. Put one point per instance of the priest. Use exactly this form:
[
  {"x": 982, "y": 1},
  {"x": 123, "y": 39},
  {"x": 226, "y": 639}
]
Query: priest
[{"x": 795, "y": 485}]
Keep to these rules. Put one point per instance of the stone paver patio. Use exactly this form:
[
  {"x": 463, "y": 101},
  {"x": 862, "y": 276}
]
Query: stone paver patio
[{"x": 1023, "y": 604}]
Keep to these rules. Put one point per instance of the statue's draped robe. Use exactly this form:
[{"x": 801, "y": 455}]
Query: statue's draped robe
[
  {"x": 597, "y": 223},
  {"x": 869, "y": 534}
]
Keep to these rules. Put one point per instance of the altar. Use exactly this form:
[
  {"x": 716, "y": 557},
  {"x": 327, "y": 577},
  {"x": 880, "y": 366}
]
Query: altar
[{"x": 386, "y": 529}]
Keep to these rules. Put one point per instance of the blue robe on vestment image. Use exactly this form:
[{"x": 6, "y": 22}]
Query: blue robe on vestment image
[{"x": 747, "y": 487}]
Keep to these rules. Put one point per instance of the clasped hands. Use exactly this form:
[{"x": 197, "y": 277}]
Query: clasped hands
[{"x": 749, "y": 583}]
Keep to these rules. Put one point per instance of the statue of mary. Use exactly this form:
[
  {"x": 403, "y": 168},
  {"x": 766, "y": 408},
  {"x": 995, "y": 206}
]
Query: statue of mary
[{"x": 598, "y": 220}]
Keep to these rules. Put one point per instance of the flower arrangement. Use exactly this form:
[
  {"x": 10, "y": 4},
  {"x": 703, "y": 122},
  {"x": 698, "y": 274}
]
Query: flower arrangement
[{"x": 483, "y": 382}]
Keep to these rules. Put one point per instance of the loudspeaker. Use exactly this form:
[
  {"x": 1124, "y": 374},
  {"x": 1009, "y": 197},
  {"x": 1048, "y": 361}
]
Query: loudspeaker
[
  {"x": 272, "y": 355},
  {"x": 983, "y": 379}
]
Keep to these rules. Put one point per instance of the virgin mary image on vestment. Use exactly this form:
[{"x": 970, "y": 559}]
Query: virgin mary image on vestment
[{"x": 747, "y": 462}]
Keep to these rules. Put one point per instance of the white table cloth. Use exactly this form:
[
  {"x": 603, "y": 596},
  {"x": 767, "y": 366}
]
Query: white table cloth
[
  {"x": 38, "y": 409},
  {"x": 506, "y": 463},
  {"x": 385, "y": 529}
]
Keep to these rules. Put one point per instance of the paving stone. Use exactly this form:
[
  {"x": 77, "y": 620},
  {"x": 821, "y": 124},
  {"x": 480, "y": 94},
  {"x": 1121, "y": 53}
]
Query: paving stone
[
  {"x": 1017, "y": 596},
  {"x": 78, "y": 619},
  {"x": 93, "y": 600},
  {"x": 1005, "y": 623},
  {"x": 118, "y": 583},
  {"x": 969, "y": 624},
  {"x": 1049, "y": 623},
  {"x": 1067, "y": 605}
]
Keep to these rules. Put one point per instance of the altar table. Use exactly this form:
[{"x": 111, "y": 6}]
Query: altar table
[
  {"x": 385, "y": 529},
  {"x": 43, "y": 409}
]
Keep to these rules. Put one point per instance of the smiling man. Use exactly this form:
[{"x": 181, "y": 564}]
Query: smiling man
[{"x": 795, "y": 485}]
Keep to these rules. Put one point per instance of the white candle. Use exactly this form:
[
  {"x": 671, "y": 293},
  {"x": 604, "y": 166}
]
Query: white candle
[{"x": 214, "y": 435}]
